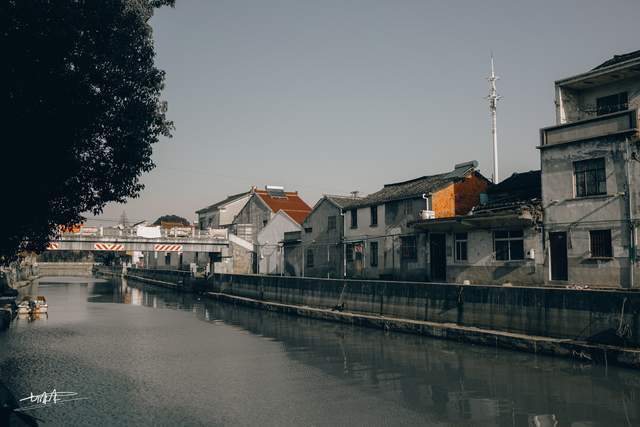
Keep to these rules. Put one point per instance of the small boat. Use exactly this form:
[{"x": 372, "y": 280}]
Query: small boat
[
  {"x": 41, "y": 304},
  {"x": 29, "y": 305}
]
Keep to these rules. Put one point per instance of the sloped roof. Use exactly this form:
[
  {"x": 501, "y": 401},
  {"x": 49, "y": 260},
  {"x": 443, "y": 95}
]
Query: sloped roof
[
  {"x": 618, "y": 59},
  {"x": 523, "y": 186},
  {"x": 418, "y": 186},
  {"x": 229, "y": 199},
  {"x": 291, "y": 204},
  {"x": 344, "y": 202},
  {"x": 519, "y": 191}
]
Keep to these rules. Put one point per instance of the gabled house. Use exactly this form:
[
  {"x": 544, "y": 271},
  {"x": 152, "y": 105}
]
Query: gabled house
[
  {"x": 499, "y": 241},
  {"x": 318, "y": 251},
  {"x": 221, "y": 214},
  {"x": 262, "y": 205},
  {"x": 379, "y": 242},
  {"x": 591, "y": 176},
  {"x": 269, "y": 246}
]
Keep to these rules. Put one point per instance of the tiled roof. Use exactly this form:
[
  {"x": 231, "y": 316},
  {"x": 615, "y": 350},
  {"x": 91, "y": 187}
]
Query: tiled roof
[
  {"x": 416, "y": 187},
  {"x": 291, "y": 203},
  {"x": 517, "y": 191},
  {"x": 519, "y": 187},
  {"x": 619, "y": 58},
  {"x": 229, "y": 199},
  {"x": 344, "y": 202}
]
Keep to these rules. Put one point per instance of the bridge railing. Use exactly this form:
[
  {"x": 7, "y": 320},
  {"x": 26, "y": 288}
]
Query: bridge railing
[{"x": 173, "y": 233}]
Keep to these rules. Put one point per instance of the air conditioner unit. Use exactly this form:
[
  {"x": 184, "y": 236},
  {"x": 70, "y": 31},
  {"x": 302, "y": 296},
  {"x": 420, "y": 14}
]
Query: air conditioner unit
[{"x": 427, "y": 214}]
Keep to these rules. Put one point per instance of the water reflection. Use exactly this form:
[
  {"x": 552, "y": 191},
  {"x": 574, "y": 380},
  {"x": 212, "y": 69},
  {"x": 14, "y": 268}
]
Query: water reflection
[{"x": 447, "y": 383}]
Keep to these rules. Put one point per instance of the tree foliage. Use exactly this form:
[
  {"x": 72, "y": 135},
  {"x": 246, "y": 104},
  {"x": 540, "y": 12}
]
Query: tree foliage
[
  {"x": 82, "y": 111},
  {"x": 172, "y": 219}
]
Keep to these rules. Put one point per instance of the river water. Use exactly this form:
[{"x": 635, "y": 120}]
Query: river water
[{"x": 141, "y": 355}]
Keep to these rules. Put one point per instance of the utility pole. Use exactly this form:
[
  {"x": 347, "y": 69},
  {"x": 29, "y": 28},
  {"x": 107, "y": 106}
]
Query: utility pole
[{"x": 493, "y": 103}]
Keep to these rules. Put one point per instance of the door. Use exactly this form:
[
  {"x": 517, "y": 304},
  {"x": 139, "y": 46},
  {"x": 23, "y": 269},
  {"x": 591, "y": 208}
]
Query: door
[
  {"x": 438, "y": 257},
  {"x": 558, "y": 247}
]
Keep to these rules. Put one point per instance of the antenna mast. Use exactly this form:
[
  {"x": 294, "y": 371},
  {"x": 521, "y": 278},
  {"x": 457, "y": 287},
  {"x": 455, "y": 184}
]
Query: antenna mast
[{"x": 493, "y": 103}]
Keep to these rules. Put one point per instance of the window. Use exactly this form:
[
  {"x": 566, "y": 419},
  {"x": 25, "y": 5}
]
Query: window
[
  {"x": 349, "y": 251},
  {"x": 354, "y": 218},
  {"x": 308, "y": 229},
  {"x": 264, "y": 223},
  {"x": 590, "y": 177},
  {"x": 373, "y": 253},
  {"x": 374, "y": 216},
  {"x": 309, "y": 257},
  {"x": 331, "y": 223},
  {"x": 461, "y": 246},
  {"x": 408, "y": 248},
  {"x": 408, "y": 207},
  {"x": 167, "y": 258},
  {"x": 600, "y": 243},
  {"x": 612, "y": 103},
  {"x": 508, "y": 245}
]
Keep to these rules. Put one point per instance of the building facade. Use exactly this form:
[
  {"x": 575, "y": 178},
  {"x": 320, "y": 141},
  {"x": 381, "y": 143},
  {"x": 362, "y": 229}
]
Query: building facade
[
  {"x": 590, "y": 172},
  {"x": 380, "y": 242},
  {"x": 498, "y": 242},
  {"x": 269, "y": 246}
]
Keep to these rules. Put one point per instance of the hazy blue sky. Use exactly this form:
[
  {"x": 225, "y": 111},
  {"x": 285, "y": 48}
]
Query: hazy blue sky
[{"x": 334, "y": 96}]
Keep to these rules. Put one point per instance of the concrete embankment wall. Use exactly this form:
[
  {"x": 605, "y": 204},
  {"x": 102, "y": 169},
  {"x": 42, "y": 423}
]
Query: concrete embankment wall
[
  {"x": 67, "y": 269},
  {"x": 175, "y": 279},
  {"x": 547, "y": 312}
]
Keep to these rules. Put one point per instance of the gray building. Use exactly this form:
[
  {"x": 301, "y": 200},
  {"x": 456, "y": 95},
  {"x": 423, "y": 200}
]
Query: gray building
[
  {"x": 382, "y": 244},
  {"x": 318, "y": 250},
  {"x": 590, "y": 172},
  {"x": 223, "y": 213},
  {"x": 262, "y": 205},
  {"x": 498, "y": 242}
]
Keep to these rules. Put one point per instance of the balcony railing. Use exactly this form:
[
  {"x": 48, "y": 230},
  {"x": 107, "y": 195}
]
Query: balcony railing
[{"x": 619, "y": 123}]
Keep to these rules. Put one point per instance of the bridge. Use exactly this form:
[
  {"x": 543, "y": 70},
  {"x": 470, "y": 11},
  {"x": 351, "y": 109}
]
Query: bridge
[{"x": 127, "y": 240}]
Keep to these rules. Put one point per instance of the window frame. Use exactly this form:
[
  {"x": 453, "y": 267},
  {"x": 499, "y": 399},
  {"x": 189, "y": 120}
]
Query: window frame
[
  {"x": 509, "y": 240},
  {"x": 353, "y": 213},
  {"x": 309, "y": 261},
  {"x": 332, "y": 223},
  {"x": 457, "y": 239},
  {"x": 608, "y": 252},
  {"x": 408, "y": 252},
  {"x": 589, "y": 176},
  {"x": 601, "y": 110},
  {"x": 373, "y": 254},
  {"x": 373, "y": 212}
]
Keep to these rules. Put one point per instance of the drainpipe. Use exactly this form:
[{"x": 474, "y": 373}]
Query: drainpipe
[{"x": 632, "y": 232}]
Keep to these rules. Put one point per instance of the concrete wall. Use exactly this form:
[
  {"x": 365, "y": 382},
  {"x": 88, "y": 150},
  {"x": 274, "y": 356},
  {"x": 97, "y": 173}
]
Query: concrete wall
[
  {"x": 577, "y": 105},
  {"x": 254, "y": 212},
  {"x": 326, "y": 244},
  {"x": 578, "y": 215},
  {"x": 269, "y": 249},
  {"x": 69, "y": 269},
  {"x": 482, "y": 267},
  {"x": 551, "y": 312}
]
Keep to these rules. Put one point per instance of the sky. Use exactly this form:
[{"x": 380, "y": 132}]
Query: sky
[{"x": 329, "y": 97}]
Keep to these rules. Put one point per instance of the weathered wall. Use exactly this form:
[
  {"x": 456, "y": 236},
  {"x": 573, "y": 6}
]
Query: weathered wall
[
  {"x": 73, "y": 269},
  {"x": 467, "y": 193},
  {"x": 552, "y": 312},
  {"x": 482, "y": 267},
  {"x": 443, "y": 202},
  {"x": 254, "y": 212},
  {"x": 577, "y": 215},
  {"x": 269, "y": 249},
  {"x": 321, "y": 239}
]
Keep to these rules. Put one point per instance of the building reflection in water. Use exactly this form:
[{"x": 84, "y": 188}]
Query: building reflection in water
[{"x": 452, "y": 383}]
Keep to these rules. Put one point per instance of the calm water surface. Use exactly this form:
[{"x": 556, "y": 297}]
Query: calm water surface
[{"x": 142, "y": 355}]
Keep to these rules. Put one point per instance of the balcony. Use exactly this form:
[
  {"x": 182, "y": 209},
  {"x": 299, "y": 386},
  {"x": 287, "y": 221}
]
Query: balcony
[{"x": 618, "y": 123}]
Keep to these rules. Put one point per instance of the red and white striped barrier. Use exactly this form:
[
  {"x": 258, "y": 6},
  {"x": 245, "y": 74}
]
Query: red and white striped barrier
[
  {"x": 167, "y": 248},
  {"x": 108, "y": 247},
  {"x": 53, "y": 246}
]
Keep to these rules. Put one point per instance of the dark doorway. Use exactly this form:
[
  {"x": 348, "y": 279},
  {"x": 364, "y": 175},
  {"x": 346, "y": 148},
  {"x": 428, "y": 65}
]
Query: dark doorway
[
  {"x": 438, "y": 257},
  {"x": 558, "y": 246}
]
